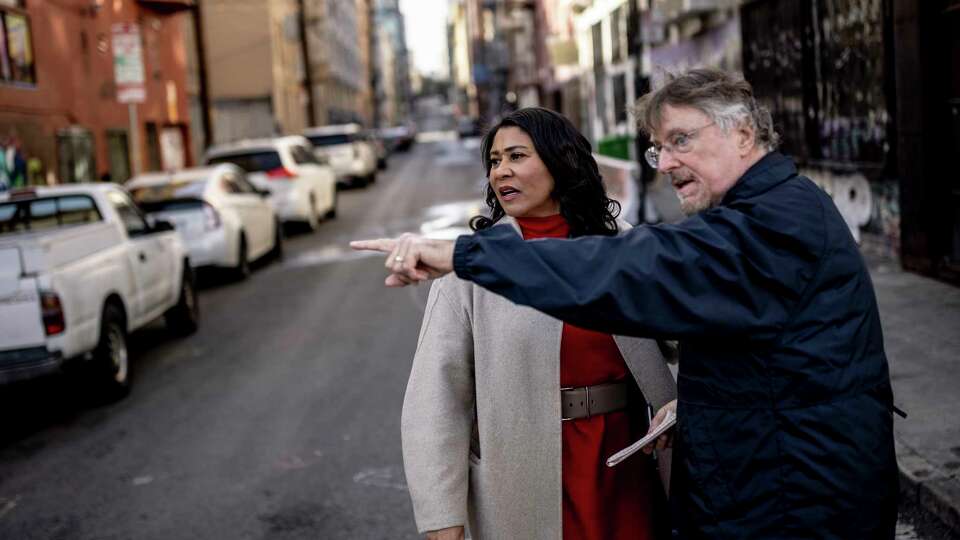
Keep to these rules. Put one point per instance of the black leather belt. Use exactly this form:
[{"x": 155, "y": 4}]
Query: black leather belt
[{"x": 587, "y": 401}]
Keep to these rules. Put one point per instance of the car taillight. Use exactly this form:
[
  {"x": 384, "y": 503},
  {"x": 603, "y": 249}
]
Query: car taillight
[
  {"x": 53, "y": 322},
  {"x": 211, "y": 218},
  {"x": 280, "y": 173}
]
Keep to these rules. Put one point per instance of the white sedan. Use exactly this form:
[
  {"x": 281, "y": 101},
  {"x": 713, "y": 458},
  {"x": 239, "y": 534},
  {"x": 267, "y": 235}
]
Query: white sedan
[
  {"x": 301, "y": 188},
  {"x": 223, "y": 219}
]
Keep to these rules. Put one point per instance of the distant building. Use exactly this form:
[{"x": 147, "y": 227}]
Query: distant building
[
  {"x": 255, "y": 68},
  {"x": 338, "y": 50},
  {"x": 502, "y": 45},
  {"x": 60, "y": 119},
  {"x": 392, "y": 85}
]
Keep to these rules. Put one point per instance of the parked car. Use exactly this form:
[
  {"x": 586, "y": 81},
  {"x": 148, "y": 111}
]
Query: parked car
[
  {"x": 81, "y": 266},
  {"x": 468, "y": 127},
  {"x": 379, "y": 148},
  {"x": 302, "y": 189},
  {"x": 223, "y": 219},
  {"x": 352, "y": 156},
  {"x": 398, "y": 138}
]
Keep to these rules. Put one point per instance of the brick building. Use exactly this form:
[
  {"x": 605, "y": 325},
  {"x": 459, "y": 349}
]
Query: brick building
[{"x": 60, "y": 120}]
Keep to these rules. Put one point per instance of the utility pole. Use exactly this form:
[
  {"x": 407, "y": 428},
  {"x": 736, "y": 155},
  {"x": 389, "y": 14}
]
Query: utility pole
[
  {"x": 202, "y": 74},
  {"x": 307, "y": 66}
]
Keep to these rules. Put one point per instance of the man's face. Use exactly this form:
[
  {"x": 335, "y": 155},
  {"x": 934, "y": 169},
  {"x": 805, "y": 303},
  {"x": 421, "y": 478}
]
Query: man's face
[{"x": 711, "y": 166}]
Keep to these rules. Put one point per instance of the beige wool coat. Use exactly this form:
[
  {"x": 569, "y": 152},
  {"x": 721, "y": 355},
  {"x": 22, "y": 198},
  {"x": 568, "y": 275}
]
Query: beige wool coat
[{"x": 481, "y": 426}]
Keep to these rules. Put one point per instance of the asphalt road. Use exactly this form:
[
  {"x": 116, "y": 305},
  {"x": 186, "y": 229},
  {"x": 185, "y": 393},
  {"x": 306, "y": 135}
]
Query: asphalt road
[{"x": 278, "y": 419}]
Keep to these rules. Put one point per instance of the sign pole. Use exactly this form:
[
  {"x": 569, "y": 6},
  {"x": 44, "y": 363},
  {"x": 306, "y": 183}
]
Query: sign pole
[
  {"x": 135, "y": 146},
  {"x": 130, "y": 79}
]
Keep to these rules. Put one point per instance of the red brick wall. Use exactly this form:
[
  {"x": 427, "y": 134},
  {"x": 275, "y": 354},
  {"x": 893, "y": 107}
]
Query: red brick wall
[{"x": 74, "y": 71}]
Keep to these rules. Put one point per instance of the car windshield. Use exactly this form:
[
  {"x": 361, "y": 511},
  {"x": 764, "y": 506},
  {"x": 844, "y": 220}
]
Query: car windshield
[
  {"x": 330, "y": 140},
  {"x": 251, "y": 162},
  {"x": 172, "y": 205},
  {"x": 164, "y": 192},
  {"x": 47, "y": 213}
]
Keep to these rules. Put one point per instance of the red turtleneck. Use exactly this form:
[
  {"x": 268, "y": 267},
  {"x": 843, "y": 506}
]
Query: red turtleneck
[{"x": 598, "y": 502}]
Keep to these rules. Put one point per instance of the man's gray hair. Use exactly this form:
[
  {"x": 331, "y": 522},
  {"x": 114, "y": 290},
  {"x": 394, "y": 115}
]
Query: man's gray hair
[{"x": 727, "y": 99}]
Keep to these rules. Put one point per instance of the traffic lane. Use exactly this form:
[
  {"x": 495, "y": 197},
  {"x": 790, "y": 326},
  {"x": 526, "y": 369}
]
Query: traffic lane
[
  {"x": 228, "y": 434},
  {"x": 290, "y": 427}
]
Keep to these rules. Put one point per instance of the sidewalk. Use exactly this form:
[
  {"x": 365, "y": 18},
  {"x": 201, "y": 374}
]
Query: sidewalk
[{"x": 921, "y": 326}]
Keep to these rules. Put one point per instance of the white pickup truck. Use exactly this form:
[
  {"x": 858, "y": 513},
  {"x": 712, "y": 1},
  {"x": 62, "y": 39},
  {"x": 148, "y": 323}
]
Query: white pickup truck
[{"x": 80, "y": 268}]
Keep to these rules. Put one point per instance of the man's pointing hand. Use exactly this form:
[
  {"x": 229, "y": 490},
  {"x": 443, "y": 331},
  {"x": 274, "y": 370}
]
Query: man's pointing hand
[{"x": 411, "y": 258}]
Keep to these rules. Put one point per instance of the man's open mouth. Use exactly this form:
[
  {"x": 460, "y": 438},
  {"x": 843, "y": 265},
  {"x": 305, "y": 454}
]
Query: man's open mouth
[{"x": 680, "y": 183}]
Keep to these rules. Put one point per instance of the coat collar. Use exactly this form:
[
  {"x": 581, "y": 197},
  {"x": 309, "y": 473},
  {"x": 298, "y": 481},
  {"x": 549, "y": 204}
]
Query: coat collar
[{"x": 772, "y": 170}]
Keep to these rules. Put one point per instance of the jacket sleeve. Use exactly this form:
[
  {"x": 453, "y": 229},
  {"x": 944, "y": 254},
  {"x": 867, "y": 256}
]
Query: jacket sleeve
[
  {"x": 438, "y": 410},
  {"x": 719, "y": 274}
]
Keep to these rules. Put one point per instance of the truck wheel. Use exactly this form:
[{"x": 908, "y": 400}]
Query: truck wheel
[
  {"x": 183, "y": 318},
  {"x": 111, "y": 361},
  {"x": 242, "y": 270}
]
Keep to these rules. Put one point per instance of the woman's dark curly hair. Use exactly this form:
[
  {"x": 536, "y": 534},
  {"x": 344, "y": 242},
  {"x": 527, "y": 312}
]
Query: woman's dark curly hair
[{"x": 567, "y": 155}]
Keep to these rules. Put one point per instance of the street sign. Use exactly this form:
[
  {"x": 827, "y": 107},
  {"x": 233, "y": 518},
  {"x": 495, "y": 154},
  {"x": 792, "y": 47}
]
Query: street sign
[{"x": 128, "y": 69}]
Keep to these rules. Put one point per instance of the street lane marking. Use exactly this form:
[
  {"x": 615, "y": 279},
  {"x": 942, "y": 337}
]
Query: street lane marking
[{"x": 383, "y": 477}]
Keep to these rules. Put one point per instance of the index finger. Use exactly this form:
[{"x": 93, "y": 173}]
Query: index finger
[{"x": 384, "y": 245}]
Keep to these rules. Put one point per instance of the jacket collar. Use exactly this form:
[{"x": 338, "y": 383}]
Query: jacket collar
[{"x": 772, "y": 170}]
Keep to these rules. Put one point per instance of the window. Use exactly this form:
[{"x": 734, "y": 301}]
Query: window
[
  {"x": 245, "y": 184},
  {"x": 331, "y": 140},
  {"x": 75, "y": 150},
  {"x": 619, "y": 98},
  {"x": 301, "y": 155},
  {"x": 16, "y": 45},
  {"x": 47, "y": 213},
  {"x": 252, "y": 162},
  {"x": 130, "y": 215}
]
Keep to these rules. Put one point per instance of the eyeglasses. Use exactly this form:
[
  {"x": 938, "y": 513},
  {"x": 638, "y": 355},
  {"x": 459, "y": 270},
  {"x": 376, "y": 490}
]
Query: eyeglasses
[{"x": 678, "y": 143}]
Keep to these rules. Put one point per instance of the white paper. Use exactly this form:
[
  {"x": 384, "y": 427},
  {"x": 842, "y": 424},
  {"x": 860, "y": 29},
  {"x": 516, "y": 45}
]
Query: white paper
[{"x": 667, "y": 423}]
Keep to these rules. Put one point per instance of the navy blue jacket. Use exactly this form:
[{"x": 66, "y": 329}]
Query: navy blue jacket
[{"x": 785, "y": 429}]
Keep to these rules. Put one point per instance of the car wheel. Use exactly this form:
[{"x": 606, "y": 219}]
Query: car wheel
[
  {"x": 242, "y": 270},
  {"x": 332, "y": 212},
  {"x": 183, "y": 318},
  {"x": 372, "y": 177},
  {"x": 277, "y": 252},
  {"x": 110, "y": 367}
]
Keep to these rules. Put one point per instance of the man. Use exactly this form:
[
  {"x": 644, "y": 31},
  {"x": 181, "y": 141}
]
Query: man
[{"x": 785, "y": 425}]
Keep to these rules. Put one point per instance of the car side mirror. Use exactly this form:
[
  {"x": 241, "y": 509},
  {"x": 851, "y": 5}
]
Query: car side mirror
[{"x": 162, "y": 225}]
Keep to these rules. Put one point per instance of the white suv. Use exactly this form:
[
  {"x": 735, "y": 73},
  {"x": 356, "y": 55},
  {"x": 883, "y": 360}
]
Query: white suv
[
  {"x": 302, "y": 189},
  {"x": 347, "y": 149}
]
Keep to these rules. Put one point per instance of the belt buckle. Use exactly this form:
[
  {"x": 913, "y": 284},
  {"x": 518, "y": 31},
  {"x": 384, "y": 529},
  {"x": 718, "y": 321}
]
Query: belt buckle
[{"x": 586, "y": 390}]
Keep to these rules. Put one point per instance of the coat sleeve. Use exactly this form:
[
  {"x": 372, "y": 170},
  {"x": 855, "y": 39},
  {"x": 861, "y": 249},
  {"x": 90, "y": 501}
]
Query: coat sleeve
[
  {"x": 438, "y": 411},
  {"x": 719, "y": 274}
]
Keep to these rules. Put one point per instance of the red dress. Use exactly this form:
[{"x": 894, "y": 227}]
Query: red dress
[{"x": 599, "y": 502}]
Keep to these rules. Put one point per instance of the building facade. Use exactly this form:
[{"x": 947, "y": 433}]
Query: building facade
[
  {"x": 392, "y": 85},
  {"x": 338, "y": 53},
  {"x": 60, "y": 118},
  {"x": 254, "y": 68}
]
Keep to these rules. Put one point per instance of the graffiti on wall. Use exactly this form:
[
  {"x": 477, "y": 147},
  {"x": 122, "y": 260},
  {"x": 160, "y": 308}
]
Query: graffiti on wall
[{"x": 868, "y": 208}]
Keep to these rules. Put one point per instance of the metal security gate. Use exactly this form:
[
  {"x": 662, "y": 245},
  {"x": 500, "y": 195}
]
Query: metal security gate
[{"x": 822, "y": 68}]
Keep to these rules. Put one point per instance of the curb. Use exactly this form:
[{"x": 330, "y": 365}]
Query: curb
[{"x": 928, "y": 487}]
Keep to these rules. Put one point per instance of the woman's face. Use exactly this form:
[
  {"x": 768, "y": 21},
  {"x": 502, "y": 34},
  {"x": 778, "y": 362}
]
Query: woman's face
[{"x": 518, "y": 177}]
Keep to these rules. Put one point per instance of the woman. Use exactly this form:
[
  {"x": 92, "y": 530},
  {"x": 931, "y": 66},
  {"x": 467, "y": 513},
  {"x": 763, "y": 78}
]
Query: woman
[{"x": 483, "y": 437}]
